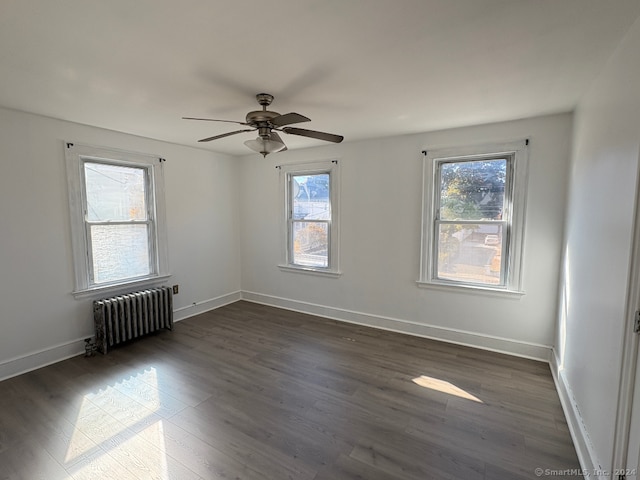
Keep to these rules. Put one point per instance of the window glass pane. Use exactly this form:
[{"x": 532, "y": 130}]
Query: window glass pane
[
  {"x": 119, "y": 252},
  {"x": 310, "y": 244},
  {"x": 310, "y": 194},
  {"x": 472, "y": 190},
  {"x": 115, "y": 192},
  {"x": 470, "y": 253}
]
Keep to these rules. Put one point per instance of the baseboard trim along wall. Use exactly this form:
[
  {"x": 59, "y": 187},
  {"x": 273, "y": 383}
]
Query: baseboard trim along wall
[
  {"x": 197, "y": 308},
  {"x": 25, "y": 363},
  {"x": 41, "y": 358},
  {"x": 579, "y": 434},
  {"x": 460, "y": 337}
]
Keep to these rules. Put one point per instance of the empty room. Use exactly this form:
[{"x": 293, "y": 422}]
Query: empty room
[{"x": 319, "y": 239}]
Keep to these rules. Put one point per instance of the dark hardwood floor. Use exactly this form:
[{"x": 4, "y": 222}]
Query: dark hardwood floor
[{"x": 254, "y": 392}]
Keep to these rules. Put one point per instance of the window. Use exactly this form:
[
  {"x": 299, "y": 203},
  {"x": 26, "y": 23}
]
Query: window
[
  {"x": 474, "y": 217},
  {"x": 117, "y": 217},
  {"x": 311, "y": 217}
]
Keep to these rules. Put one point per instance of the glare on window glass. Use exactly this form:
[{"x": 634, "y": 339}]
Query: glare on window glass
[
  {"x": 311, "y": 197},
  {"x": 119, "y": 252},
  {"x": 115, "y": 192}
]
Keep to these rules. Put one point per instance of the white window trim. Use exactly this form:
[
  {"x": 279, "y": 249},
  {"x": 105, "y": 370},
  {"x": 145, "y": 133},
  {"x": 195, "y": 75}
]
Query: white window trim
[
  {"x": 286, "y": 172},
  {"x": 75, "y": 155},
  {"x": 516, "y": 251}
]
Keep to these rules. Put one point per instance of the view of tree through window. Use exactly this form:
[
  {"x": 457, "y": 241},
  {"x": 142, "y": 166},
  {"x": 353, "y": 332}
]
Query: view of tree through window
[{"x": 470, "y": 221}]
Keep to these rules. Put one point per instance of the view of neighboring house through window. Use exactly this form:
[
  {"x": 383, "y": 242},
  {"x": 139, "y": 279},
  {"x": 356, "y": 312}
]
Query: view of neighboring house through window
[
  {"x": 473, "y": 221},
  {"x": 311, "y": 198},
  {"x": 117, "y": 217}
]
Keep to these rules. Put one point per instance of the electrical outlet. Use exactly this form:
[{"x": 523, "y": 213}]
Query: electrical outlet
[{"x": 176, "y": 289}]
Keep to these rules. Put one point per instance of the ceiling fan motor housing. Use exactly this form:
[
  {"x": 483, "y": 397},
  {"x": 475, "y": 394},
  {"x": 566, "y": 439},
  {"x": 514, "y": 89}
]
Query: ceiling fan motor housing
[{"x": 259, "y": 117}]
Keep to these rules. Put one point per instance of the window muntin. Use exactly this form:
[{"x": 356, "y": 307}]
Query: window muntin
[
  {"x": 473, "y": 217},
  {"x": 118, "y": 226},
  {"x": 310, "y": 200}
]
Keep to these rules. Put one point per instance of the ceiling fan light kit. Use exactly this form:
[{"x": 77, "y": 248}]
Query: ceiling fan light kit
[
  {"x": 268, "y": 123},
  {"x": 265, "y": 146}
]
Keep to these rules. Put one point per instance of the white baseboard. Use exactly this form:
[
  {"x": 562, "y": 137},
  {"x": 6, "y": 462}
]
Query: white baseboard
[
  {"x": 460, "y": 337},
  {"x": 41, "y": 358},
  {"x": 577, "y": 428},
  {"x": 197, "y": 308},
  {"x": 47, "y": 356},
  {"x": 25, "y": 363}
]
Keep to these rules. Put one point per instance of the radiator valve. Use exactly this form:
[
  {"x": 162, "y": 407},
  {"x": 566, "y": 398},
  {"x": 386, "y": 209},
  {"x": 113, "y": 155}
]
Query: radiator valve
[{"x": 89, "y": 348}]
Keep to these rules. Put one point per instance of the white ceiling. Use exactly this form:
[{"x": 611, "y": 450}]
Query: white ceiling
[{"x": 359, "y": 68}]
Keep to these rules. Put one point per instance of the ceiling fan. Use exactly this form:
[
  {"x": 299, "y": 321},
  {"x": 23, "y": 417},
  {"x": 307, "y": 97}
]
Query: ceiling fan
[{"x": 268, "y": 123}]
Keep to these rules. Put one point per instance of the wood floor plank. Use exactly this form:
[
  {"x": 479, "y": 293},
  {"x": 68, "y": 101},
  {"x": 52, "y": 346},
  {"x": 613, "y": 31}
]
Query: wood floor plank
[
  {"x": 254, "y": 392},
  {"x": 423, "y": 462},
  {"x": 287, "y": 431},
  {"x": 99, "y": 465},
  {"x": 222, "y": 434},
  {"x": 29, "y": 461},
  {"x": 200, "y": 456},
  {"x": 348, "y": 468}
]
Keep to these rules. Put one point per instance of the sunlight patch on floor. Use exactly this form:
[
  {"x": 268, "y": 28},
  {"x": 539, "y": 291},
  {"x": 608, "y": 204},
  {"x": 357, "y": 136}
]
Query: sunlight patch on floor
[
  {"x": 444, "y": 387},
  {"x": 113, "y": 426}
]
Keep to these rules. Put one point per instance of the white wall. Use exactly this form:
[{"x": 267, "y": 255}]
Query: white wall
[
  {"x": 598, "y": 250},
  {"x": 380, "y": 240},
  {"x": 40, "y": 321}
]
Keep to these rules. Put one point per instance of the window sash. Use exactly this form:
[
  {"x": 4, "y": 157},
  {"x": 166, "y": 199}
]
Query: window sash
[
  {"x": 508, "y": 185},
  {"x": 151, "y": 255},
  {"x": 291, "y": 239},
  {"x": 504, "y": 249}
]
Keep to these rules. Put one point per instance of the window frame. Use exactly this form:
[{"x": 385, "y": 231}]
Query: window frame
[
  {"x": 287, "y": 172},
  {"x": 514, "y": 205},
  {"x": 76, "y": 156}
]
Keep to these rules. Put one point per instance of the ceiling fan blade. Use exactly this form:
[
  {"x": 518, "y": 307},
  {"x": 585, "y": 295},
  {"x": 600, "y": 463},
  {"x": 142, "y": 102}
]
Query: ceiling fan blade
[
  {"x": 328, "y": 137},
  {"x": 288, "y": 119},
  {"x": 277, "y": 138},
  {"x": 214, "y": 120},
  {"x": 216, "y": 137}
]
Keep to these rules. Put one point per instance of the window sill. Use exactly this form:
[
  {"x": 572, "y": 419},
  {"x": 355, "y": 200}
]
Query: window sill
[
  {"x": 473, "y": 289},
  {"x": 311, "y": 271},
  {"x": 119, "y": 287}
]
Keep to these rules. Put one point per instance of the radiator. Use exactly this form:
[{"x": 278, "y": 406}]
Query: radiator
[{"x": 126, "y": 317}]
